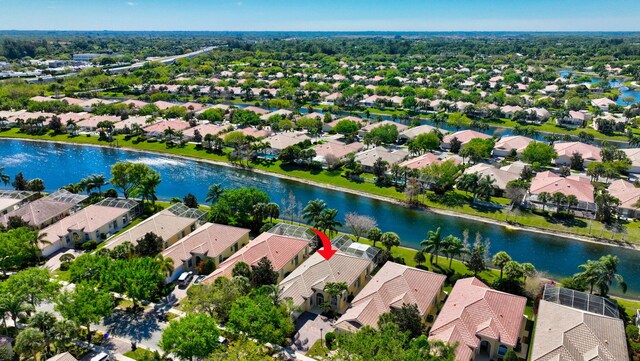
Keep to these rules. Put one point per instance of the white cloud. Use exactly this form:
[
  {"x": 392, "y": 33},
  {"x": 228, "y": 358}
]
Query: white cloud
[{"x": 131, "y": 3}]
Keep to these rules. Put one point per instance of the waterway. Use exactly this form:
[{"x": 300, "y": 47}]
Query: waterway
[{"x": 60, "y": 164}]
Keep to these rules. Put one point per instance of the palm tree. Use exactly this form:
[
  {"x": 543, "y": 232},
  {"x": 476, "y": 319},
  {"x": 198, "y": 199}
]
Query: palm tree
[
  {"x": 452, "y": 246},
  {"x": 500, "y": 260},
  {"x": 590, "y": 273},
  {"x": 544, "y": 198},
  {"x": 558, "y": 199},
  {"x": 313, "y": 210},
  {"x": 485, "y": 187},
  {"x": 214, "y": 192},
  {"x": 63, "y": 331},
  {"x": 468, "y": 182},
  {"x": 97, "y": 181},
  {"x": 13, "y": 304},
  {"x": 4, "y": 178},
  {"x": 608, "y": 274},
  {"x": 571, "y": 202},
  {"x": 44, "y": 321},
  {"x": 166, "y": 264},
  {"x": 334, "y": 289},
  {"x": 273, "y": 211},
  {"x": 419, "y": 258},
  {"x": 30, "y": 342},
  {"x": 389, "y": 240},
  {"x": 528, "y": 270},
  {"x": 327, "y": 221},
  {"x": 432, "y": 244},
  {"x": 147, "y": 188}
]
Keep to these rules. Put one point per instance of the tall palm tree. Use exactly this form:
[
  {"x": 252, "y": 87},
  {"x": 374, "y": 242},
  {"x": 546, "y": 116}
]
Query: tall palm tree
[
  {"x": 608, "y": 274},
  {"x": 327, "y": 221},
  {"x": 147, "y": 188},
  {"x": 311, "y": 213},
  {"x": 30, "y": 342},
  {"x": 452, "y": 247},
  {"x": 4, "y": 178},
  {"x": 166, "y": 264},
  {"x": 213, "y": 193},
  {"x": 98, "y": 181},
  {"x": 590, "y": 273},
  {"x": 544, "y": 198},
  {"x": 558, "y": 199},
  {"x": 273, "y": 210},
  {"x": 485, "y": 187},
  {"x": 572, "y": 201},
  {"x": 432, "y": 244},
  {"x": 63, "y": 331},
  {"x": 334, "y": 289},
  {"x": 44, "y": 321}
]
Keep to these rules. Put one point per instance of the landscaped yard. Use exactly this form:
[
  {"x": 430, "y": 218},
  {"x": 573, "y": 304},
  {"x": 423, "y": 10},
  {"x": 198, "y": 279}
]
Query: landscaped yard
[{"x": 139, "y": 354}]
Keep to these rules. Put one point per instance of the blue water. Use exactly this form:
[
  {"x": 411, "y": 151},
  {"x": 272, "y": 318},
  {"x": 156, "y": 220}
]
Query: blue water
[
  {"x": 60, "y": 165},
  {"x": 615, "y": 83}
]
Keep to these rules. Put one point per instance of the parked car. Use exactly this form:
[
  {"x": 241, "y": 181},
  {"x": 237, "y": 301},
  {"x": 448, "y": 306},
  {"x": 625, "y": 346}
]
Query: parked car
[
  {"x": 184, "y": 279},
  {"x": 198, "y": 280}
]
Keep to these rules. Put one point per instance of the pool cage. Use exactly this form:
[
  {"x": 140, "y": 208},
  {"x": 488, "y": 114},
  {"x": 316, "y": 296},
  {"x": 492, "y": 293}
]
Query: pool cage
[
  {"x": 346, "y": 245},
  {"x": 580, "y": 301},
  {"x": 181, "y": 210},
  {"x": 290, "y": 230}
]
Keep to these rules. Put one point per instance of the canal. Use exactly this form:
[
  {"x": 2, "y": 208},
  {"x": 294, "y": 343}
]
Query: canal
[{"x": 60, "y": 164}]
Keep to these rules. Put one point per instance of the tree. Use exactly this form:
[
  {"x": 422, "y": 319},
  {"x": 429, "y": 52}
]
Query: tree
[
  {"x": 500, "y": 260},
  {"x": 259, "y": 318},
  {"x": 129, "y": 176},
  {"x": 166, "y": 264},
  {"x": 609, "y": 274},
  {"x": 511, "y": 356},
  {"x": 407, "y": 318},
  {"x": 558, "y": 198},
  {"x": 458, "y": 120},
  {"x": 213, "y": 193},
  {"x": 441, "y": 176},
  {"x": 476, "y": 262},
  {"x": 454, "y": 145},
  {"x": 468, "y": 182},
  {"x": 606, "y": 206},
  {"x": 485, "y": 187},
  {"x": 4, "y": 178},
  {"x": 194, "y": 335},
  {"x": 242, "y": 349},
  {"x": 19, "y": 182},
  {"x": 262, "y": 273},
  {"x": 359, "y": 224},
  {"x": 34, "y": 284},
  {"x": 513, "y": 270},
  {"x": 528, "y": 270},
  {"x": 236, "y": 205},
  {"x": 348, "y": 128},
  {"x": 147, "y": 187},
  {"x": 419, "y": 258},
  {"x": 16, "y": 248},
  {"x": 389, "y": 240},
  {"x": 516, "y": 190},
  {"x": 334, "y": 289},
  {"x": 149, "y": 245},
  {"x": 576, "y": 162},
  {"x": 44, "y": 321},
  {"x": 539, "y": 153},
  {"x": 380, "y": 169},
  {"x": 12, "y": 303},
  {"x": 215, "y": 299},
  {"x": 479, "y": 149},
  {"x": 544, "y": 198},
  {"x": 86, "y": 304},
  {"x": 312, "y": 211},
  {"x": 30, "y": 342},
  {"x": 137, "y": 278},
  {"x": 190, "y": 201},
  {"x": 423, "y": 143},
  {"x": 327, "y": 221},
  {"x": 452, "y": 247},
  {"x": 432, "y": 244},
  {"x": 374, "y": 235},
  {"x": 241, "y": 269},
  {"x": 35, "y": 185}
]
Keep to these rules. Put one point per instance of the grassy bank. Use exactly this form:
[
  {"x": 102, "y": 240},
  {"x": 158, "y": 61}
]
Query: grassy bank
[{"x": 455, "y": 201}]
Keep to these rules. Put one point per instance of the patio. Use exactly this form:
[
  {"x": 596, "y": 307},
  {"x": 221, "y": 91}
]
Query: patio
[{"x": 308, "y": 330}]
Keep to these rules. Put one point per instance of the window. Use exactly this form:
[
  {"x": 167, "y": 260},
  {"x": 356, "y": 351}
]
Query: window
[{"x": 220, "y": 259}]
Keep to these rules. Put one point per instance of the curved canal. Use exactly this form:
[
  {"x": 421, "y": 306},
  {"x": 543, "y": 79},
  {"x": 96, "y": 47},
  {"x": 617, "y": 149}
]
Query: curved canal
[{"x": 60, "y": 164}]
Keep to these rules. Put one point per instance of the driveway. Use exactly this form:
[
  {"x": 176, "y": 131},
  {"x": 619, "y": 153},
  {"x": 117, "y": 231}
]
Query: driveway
[
  {"x": 53, "y": 263},
  {"x": 144, "y": 328},
  {"x": 308, "y": 330}
]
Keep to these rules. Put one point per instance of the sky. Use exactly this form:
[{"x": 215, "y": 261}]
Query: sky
[{"x": 322, "y": 15}]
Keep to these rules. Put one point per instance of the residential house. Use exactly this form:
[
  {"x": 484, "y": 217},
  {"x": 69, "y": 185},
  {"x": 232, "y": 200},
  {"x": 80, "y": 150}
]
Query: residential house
[
  {"x": 203, "y": 129},
  {"x": 500, "y": 177},
  {"x": 602, "y": 103},
  {"x": 510, "y": 110},
  {"x": 634, "y": 156},
  {"x": 171, "y": 225},
  {"x": 337, "y": 150},
  {"x": 90, "y": 124},
  {"x": 133, "y": 103},
  {"x": 131, "y": 122},
  {"x": 551, "y": 183},
  {"x": 463, "y": 136},
  {"x": 505, "y": 145},
  {"x": 572, "y": 325},
  {"x": 283, "y": 113},
  {"x": 628, "y": 194},
  {"x": 162, "y": 105},
  {"x": 413, "y": 132},
  {"x": 305, "y": 286},
  {"x": 96, "y": 222},
  {"x": 210, "y": 241},
  {"x": 47, "y": 210},
  {"x": 574, "y": 119},
  {"x": 65, "y": 356},
  {"x": 401, "y": 127},
  {"x": 565, "y": 150},
  {"x": 541, "y": 114},
  {"x": 392, "y": 287},
  {"x": 485, "y": 323},
  {"x": 259, "y": 111},
  {"x": 12, "y": 200},
  {"x": 156, "y": 130},
  {"x": 421, "y": 161},
  {"x": 369, "y": 157},
  {"x": 278, "y": 142},
  {"x": 285, "y": 252},
  {"x": 328, "y": 126}
]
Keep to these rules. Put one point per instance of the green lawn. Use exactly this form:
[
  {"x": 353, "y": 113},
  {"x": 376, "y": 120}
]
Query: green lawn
[
  {"x": 455, "y": 201},
  {"x": 139, "y": 354},
  {"x": 317, "y": 350},
  {"x": 630, "y": 306}
]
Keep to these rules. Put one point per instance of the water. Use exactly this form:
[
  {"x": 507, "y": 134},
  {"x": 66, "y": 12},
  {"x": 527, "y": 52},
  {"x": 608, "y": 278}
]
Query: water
[
  {"x": 60, "y": 165},
  {"x": 615, "y": 83}
]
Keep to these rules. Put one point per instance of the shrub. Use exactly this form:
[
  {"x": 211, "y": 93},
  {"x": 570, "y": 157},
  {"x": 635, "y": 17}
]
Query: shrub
[
  {"x": 64, "y": 266},
  {"x": 89, "y": 246},
  {"x": 329, "y": 338}
]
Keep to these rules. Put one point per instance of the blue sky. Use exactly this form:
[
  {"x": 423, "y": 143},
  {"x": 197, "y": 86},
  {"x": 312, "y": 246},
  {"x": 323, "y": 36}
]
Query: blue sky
[{"x": 339, "y": 15}]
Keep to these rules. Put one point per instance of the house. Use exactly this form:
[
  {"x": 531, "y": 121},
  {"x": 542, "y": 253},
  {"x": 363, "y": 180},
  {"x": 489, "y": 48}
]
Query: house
[
  {"x": 90, "y": 124},
  {"x": 162, "y": 105},
  {"x": 510, "y": 110},
  {"x": 171, "y": 224},
  {"x": 133, "y": 103},
  {"x": 203, "y": 129},
  {"x": 566, "y": 150},
  {"x": 157, "y": 129},
  {"x": 337, "y": 150},
  {"x": 132, "y": 122},
  {"x": 210, "y": 241},
  {"x": 483, "y": 322},
  {"x": 285, "y": 249},
  {"x": 578, "y": 186},
  {"x": 421, "y": 161},
  {"x": 305, "y": 286},
  {"x": 505, "y": 145},
  {"x": 283, "y": 113},
  {"x": 413, "y": 132},
  {"x": 541, "y": 114},
  {"x": 628, "y": 194},
  {"x": 47, "y": 210},
  {"x": 328, "y": 126},
  {"x": 574, "y": 119},
  {"x": 634, "y": 156},
  {"x": 393, "y": 286},
  {"x": 372, "y": 126},
  {"x": 96, "y": 222},
  {"x": 257, "y": 110},
  {"x": 369, "y": 157},
  {"x": 65, "y": 356},
  {"x": 192, "y": 106},
  {"x": 278, "y": 142},
  {"x": 501, "y": 177},
  {"x": 573, "y": 325},
  {"x": 463, "y": 136},
  {"x": 602, "y": 103},
  {"x": 12, "y": 200}
]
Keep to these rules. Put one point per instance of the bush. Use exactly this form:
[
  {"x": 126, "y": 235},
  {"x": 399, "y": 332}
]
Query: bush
[
  {"x": 64, "y": 266},
  {"x": 573, "y": 283},
  {"x": 329, "y": 338},
  {"x": 206, "y": 267},
  {"x": 89, "y": 246}
]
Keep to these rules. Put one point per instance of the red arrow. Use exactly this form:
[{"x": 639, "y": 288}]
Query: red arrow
[{"x": 327, "y": 252}]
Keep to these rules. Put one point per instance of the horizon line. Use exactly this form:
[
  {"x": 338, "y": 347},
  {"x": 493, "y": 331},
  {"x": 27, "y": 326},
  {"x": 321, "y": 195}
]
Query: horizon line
[{"x": 327, "y": 31}]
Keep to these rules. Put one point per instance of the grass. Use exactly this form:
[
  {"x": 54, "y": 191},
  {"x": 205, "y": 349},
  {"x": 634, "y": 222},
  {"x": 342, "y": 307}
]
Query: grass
[
  {"x": 455, "y": 201},
  {"x": 629, "y": 306},
  {"x": 319, "y": 349},
  {"x": 139, "y": 354},
  {"x": 61, "y": 275}
]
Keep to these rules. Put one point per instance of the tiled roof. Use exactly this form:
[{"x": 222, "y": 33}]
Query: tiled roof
[
  {"x": 421, "y": 129},
  {"x": 42, "y": 210},
  {"x": 516, "y": 142},
  {"x": 566, "y": 334},
  {"x": 369, "y": 157},
  {"x": 501, "y": 177},
  {"x": 338, "y": 149},
  {"x": 316, "y": 272},
  {"x": 573, "y": 185},
  {"x": 370, "y": 127},
  {"x": 464, "y": 136},
  {"x": 284, "y": 140},
  {"x": 626, "y": 192},
  {"x": 421, "y": 161},
  {"x": 166, "y": 124},
  {"x": 278, "y": 249},
  {"x": 210, "y": 239},
  {"x": 204, "y": 129},
  {"x": 63, "y": 357},
  {"x": 473, "y": 310},
  {"x": 589, "y": 152},
  {"x": 393, "y": 286}
]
